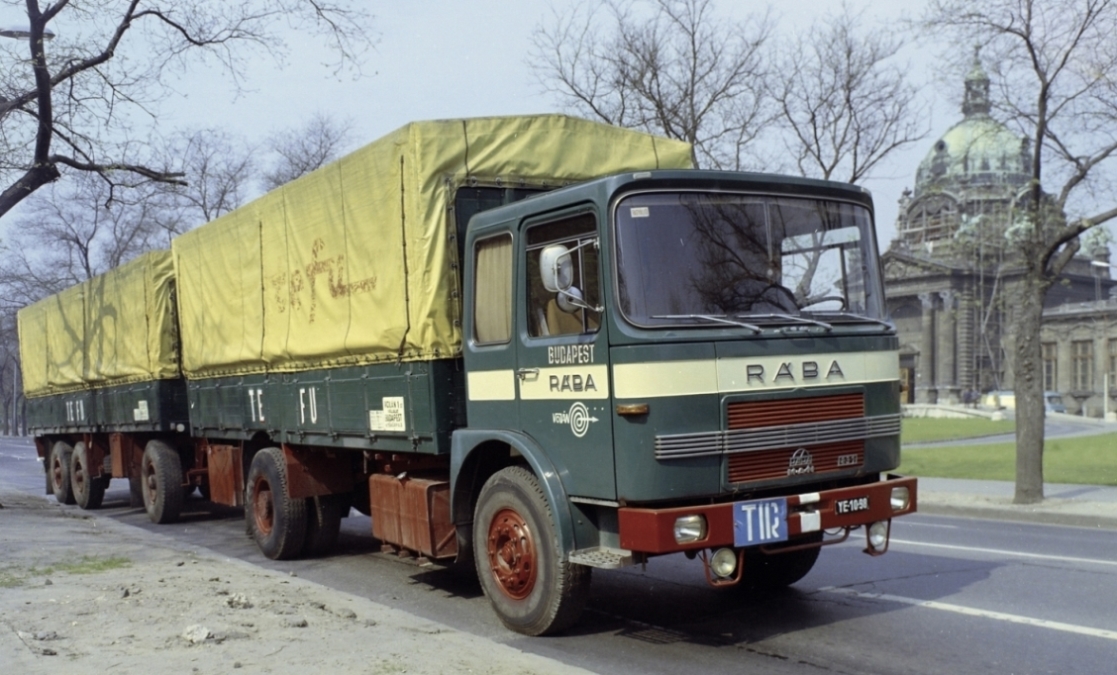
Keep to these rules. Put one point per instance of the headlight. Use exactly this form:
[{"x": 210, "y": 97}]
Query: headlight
[
  {"x": 901, "y": 499},
  {"x": 878, "y": 535},
  {"x": 724, "y": 562},
  {"x": 690, "y": 529}
]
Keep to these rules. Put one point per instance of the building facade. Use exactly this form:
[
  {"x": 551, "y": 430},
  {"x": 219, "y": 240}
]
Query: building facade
[{"x": 950, "y": 271}]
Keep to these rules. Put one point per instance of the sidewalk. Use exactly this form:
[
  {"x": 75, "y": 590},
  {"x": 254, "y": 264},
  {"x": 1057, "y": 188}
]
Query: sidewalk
[
  {"x": 86, "y": 595},
  {"x": 1078, "y": 505}
]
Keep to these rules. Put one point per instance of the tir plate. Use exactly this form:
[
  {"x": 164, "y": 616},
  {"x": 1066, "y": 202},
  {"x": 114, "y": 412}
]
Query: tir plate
[{"x": 762, "y": 521}]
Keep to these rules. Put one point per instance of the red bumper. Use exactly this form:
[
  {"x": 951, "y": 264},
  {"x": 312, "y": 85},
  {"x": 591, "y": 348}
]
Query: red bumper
[{"x": 653, "y": 530}]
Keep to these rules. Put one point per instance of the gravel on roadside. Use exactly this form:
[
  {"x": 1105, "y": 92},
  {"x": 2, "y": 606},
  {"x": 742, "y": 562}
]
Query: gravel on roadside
[{"x": 83, "y": 595}]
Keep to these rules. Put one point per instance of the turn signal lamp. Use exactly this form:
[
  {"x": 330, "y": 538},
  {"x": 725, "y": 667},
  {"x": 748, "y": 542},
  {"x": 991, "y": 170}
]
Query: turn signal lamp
[{"x": 689, "y": 529}]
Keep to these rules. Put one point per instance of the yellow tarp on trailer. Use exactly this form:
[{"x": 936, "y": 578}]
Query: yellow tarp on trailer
[
  {"x": 114, "y": 329},
  {"x": 357, "y": 262}
]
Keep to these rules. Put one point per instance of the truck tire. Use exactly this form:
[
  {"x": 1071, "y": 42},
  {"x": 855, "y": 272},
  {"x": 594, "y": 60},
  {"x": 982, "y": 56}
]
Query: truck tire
[
  {"x": 89, "y": 491},
  {"x": 161, "y": 482},
  {"x": 780, "y": 570},
  {"x": 323, "y": 522},
  {"x": 519, "y": 563},
  {"x": 276, "y": 522},
  {"x": 59, "y": 472}
]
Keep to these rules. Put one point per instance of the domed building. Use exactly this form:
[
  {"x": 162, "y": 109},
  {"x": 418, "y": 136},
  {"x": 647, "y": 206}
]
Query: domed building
[{"x": 947, "y": 270}]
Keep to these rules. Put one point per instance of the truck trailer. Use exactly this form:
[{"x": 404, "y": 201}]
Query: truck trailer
[{"x": 525, "y": 346}]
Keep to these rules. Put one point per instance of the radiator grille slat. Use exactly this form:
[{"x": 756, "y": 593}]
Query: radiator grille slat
[
  {"x": 705, "y": 444},
  {"x": 748, "y": 415}
]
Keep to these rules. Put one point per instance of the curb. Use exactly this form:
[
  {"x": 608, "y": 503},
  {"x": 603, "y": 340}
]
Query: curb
[{"x": 1052, "y": 511}]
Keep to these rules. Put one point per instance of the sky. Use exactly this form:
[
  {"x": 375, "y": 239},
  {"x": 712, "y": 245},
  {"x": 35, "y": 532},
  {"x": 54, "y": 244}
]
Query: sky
[{"x": 446, "y": 59}]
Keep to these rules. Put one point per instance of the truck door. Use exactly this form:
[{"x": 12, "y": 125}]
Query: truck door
[{"x": 562, "y": 372}]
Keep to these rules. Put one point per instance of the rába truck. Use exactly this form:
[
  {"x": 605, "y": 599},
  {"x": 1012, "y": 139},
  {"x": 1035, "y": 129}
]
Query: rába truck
[{"x": 525, "y": 346}]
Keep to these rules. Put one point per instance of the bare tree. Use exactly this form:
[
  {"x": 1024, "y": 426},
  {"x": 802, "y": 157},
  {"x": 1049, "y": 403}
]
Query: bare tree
[
  {"x": 69, "y": 97},
  {"x": 666, "y": 66},
  {"x": 303, "y": 149},
  {"x": 71, "y": 233},
  {"x": 218, "y": 168},
  {"x": 845, "y": 103},
  {"x": 1055, "y": 65}
]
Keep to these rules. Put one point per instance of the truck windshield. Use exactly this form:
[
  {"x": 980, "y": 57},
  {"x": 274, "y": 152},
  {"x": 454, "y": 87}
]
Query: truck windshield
[{"x": 703, "y": 258}]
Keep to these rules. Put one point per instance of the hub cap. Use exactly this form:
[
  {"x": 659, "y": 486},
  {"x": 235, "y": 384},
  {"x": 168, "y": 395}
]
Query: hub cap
[
  {"x": 511, "y": 550},
  {"x": 262, "y": 506}
]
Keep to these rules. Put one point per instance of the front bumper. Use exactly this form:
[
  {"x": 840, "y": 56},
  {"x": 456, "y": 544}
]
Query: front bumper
[{"x": 652, "y": 531}]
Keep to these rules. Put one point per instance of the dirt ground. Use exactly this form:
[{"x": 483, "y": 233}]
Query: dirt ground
[{"x": 85, "y": 595}]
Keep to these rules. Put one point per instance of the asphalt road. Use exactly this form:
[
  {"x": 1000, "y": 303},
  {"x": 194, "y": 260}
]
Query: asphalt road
[{"x": 954, "y": 595}]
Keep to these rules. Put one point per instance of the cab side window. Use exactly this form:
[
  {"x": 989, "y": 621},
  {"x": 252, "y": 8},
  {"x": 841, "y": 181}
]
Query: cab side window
[
  {"x": 492, "y": 292},
  {"x": 575, "y": 310}
]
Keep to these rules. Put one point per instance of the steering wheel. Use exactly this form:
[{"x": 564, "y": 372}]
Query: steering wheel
[{"x": 842, "y": 306}]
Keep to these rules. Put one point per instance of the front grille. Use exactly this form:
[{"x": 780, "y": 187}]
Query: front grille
[
  {"x": 771, "y": 464},
  {"x": 762, "y": 436},
  {"x": 748, "y": 415}
]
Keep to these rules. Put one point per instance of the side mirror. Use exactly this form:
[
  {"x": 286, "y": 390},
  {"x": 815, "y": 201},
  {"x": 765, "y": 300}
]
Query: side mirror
[{"x": 556, "y": 268}]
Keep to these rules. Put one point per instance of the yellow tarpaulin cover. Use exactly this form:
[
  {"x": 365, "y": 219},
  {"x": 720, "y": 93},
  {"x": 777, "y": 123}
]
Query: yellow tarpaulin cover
[
  {"x": 114, "y": 329},
  {"x": 355, "y": 263}
]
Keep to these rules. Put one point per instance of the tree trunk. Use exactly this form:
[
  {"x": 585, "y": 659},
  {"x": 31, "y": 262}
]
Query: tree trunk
[
  {"x": 1028, "y": 377},
  {"x": 35, "y": 178}
]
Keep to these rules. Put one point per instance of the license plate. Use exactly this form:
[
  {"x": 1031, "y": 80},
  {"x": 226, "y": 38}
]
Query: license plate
[
  {"x": 844, "y": 506},
  {"x": 762, "y": 521}
]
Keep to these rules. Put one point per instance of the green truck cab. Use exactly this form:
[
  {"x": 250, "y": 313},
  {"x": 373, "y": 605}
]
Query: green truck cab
[{"x": 687, "y": 361}]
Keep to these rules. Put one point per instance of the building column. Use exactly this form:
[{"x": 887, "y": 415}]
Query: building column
[
  {"x": 967, "y": 340},
  {"x": 925, "y": 391},
  {"x": 944, "y": 368}
]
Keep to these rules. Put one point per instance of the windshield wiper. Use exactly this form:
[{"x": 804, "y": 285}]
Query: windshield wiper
[
  {"x": 853, "y": 315},
  {"x": 790, "y": 317},
  {"x": 715, "y": 318}
]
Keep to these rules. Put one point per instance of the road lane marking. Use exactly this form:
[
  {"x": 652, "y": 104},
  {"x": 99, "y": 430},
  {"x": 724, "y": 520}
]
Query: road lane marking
[
  {"x": 995, "y": 551},
  {"x": 983, "y": 613},
  {"x": 908, "y": 523}
]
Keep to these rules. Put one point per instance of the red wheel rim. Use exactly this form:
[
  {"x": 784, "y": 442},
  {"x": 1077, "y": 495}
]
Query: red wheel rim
[
  {"x": 56, "y": 473},
  {"x": 263, "y": 512},
  {"x": 511, "y": 549},
  {"x": 79, "y": 475},
  {"x": 150, "y": 482}
]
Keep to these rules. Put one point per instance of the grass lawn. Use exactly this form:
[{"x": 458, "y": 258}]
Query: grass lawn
[
  {"x": 1089, "y": 460},
  {"x": 927, "y": 429}
]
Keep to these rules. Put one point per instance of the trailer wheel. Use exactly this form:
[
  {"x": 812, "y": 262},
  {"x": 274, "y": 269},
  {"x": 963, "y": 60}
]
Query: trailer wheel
[
  {"x": 771, "y": 572},
  {"x": 323, "y": 522},
  {"x": 517, "y": 553},
  {"x": 89, "y": 491},
  {"x": 161, "y": 482},
  {"x": 60, "y": 473},
  {"x": 276, "y": 522}
]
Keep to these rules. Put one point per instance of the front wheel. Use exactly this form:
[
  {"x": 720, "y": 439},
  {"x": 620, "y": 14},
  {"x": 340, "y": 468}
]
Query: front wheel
[
  {"x": 60, "y": 473},
  {"x": 161, "y": 482},
  {"x": 780, "y": 570},
  {"x": 531, "y": 588},
  {"x": 273, "y": 519},
  {"x": 89, "y": 490}
]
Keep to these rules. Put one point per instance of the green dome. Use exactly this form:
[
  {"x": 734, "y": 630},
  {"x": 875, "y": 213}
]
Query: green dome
[{"x": 977, "y": 150}]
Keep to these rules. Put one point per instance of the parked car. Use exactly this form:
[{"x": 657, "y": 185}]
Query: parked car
[{"x": 1052, "y": 400}]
